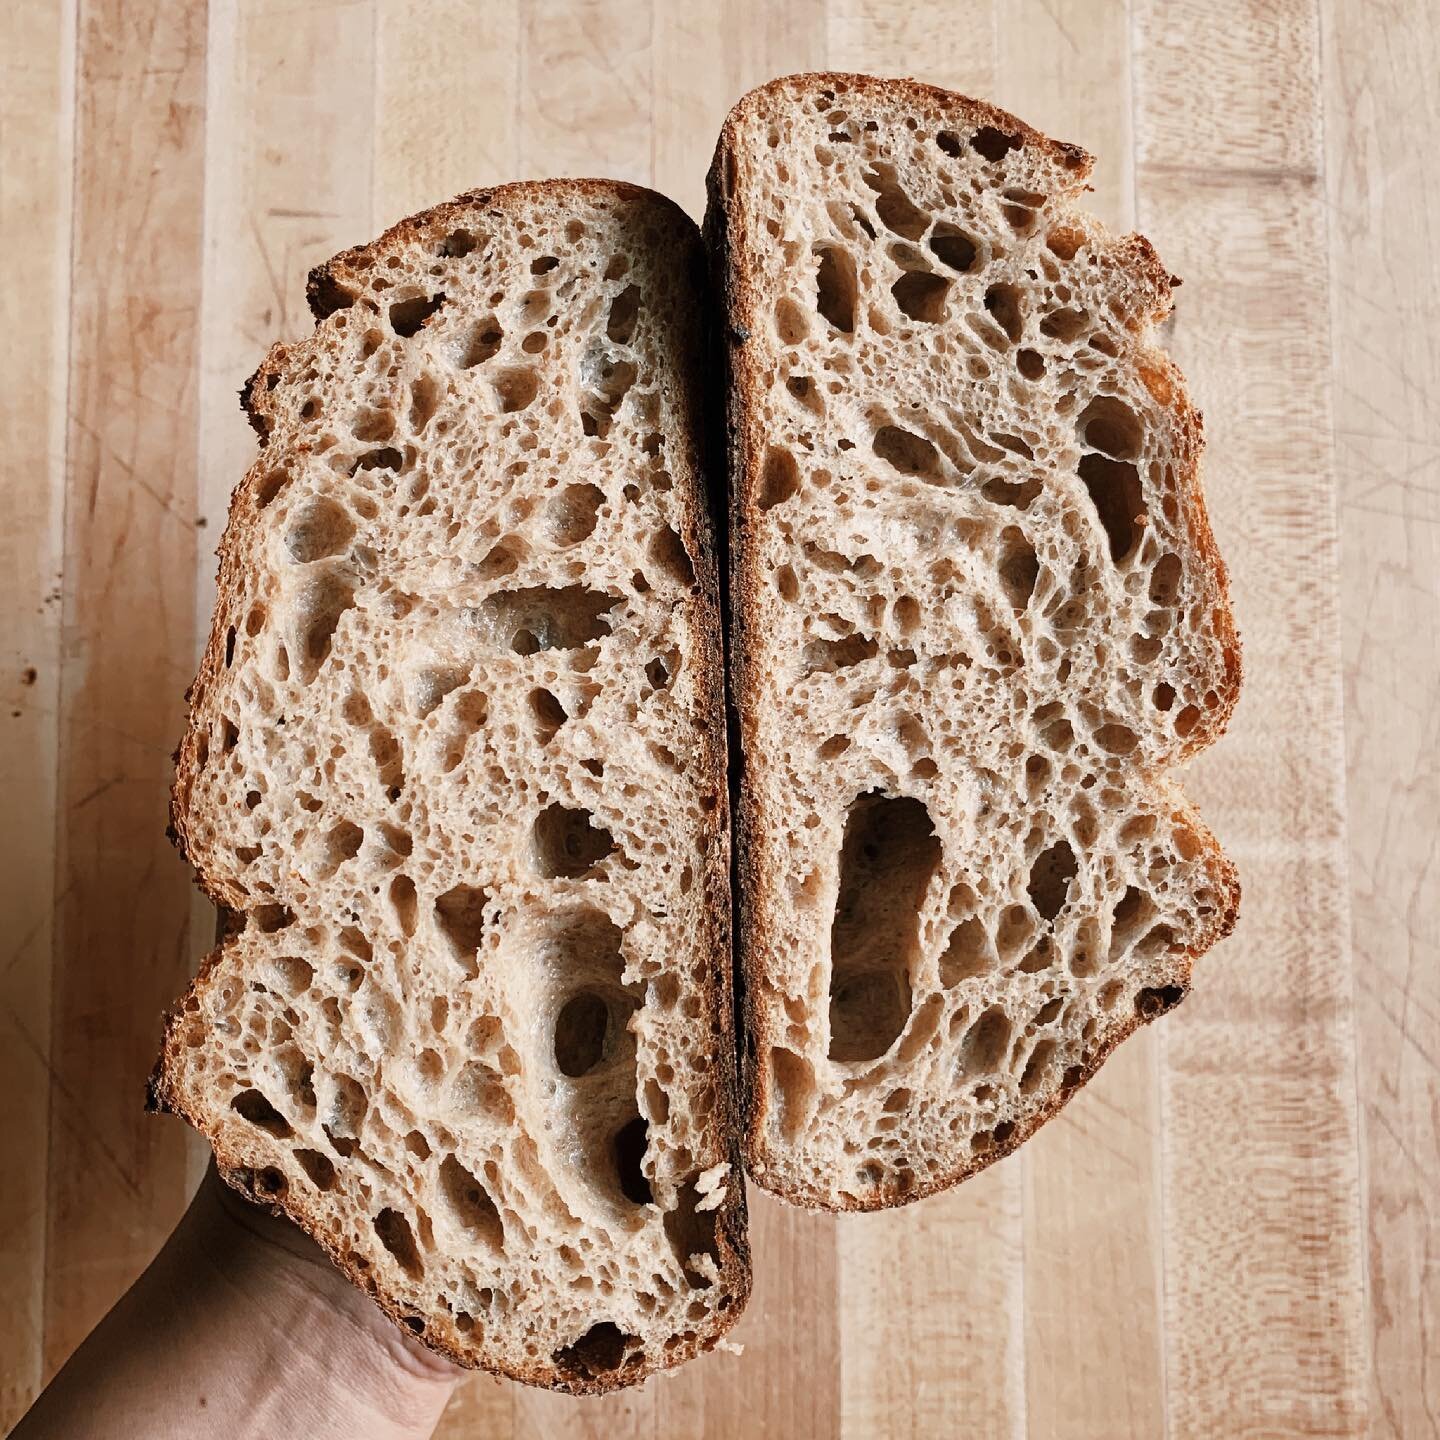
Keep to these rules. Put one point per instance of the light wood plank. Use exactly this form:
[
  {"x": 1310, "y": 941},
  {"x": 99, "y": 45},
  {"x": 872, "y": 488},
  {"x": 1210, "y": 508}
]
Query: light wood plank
[
  {"x": 584, "y": 90},
  {"x": 932, "y": 1314},
  {"x": 117, "y": 1176},
  {"x": 942, "y": 1278},
  {"x": 37, "y": 62},
  {"x": 1263, "y": 1290},
  {"x": 1092, "y": 1176},
  {"x": 1384, "y": 192},
  {"x": 445, "y": 75}
]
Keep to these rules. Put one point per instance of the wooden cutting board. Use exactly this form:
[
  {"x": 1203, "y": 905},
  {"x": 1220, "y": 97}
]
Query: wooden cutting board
[{"x": 1231, "y": 1232}]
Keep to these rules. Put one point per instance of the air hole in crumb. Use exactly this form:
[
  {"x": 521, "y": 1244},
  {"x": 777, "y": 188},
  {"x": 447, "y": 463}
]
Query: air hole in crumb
[
  {"x": 1050, "y": 877},
  {"x": 542, "y": 618},
  {"x": 620, "y": 325},
  {"x": 657, "y": 673},
  {"x": 598, "y": 1352},
  {"x": 468, "y": 1206},
  {"x": 1030, "y": 363},
  {"x": 407, "y": 316},
  {"x": 318, "y": 529},
  {"x": 897, "y": 212},
  {"x": 835, "y": 287},
  {"x": 953, "y": 247},
  {"x": 549, "y": 714},
  {"x": 668, "y": 551},
  {"x": 795, "y": 1090},
  {"x": 1003, "y": 303},
  {"x": 630, "y": 1144},
  {"x": 343, "y": 842},
  {"x": 907, "y": 452},
  {"x": 985, "y": 1043},
  {"x": 1065, "y": 241},
  {"x": 1116, "y": 739},
  {"x": 1019, "y": 567},
  {"x": 1109, "y": 425},
  {"x": 269, "y": 486},
  {"x": 889, "y": 853},
  {"x": 516, "y": 388},
  {"x": 320, "y": 607},
  {"x": 458, "y": 244},
  {"x": 460, "y": 916},
  {"x": 779, "y": 478},
  {"x": 581, "y": 1030},
  {"x": 1008, "y": 492},
  {"x": 571, "y": 515},
  {"x": 252, "y": 1106},
  {"x": 396, "y": 1236},
  {"x": 1116, "y": 493},
  {"x": 1065, "y": 325},
  {"x": 480, "y": 343},
  {"x": 320, "y": 1168},
  {"x": 968, "y": 952},
  {"x": 921, "y": 295},
  {"x": 1165, "y": 580},
  {"x": 1164, "y": 696},
  {"x": 566, "y": 844},
  {"x": 994, "y": 145},
  {"x": 1154, "y": 1001},
  {"x": 402, "y": 897},
  {"x": 786, "y": 583},
  {"x": 791, "y": 322}
]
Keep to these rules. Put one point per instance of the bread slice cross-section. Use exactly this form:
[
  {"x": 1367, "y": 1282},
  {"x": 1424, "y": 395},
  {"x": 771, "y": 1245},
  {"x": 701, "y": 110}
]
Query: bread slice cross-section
[
  {"x": 455, "y": 769},
  {"x": 979, "y": 620}
]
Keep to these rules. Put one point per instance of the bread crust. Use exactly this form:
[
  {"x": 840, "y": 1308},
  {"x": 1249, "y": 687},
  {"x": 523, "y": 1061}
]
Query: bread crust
[
  {"x": 726, "y": 231},
  {"x": 325, "y": 292}
]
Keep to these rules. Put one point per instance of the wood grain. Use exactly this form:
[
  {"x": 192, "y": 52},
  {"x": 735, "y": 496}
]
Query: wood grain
[
  {"x": 1384, "y": 195},
  {"x": 1263, "y": 1329},
  {"x": 116, "y": 1178},
  {"x": 37, "y": 61},
  {"x": 1214, "y": 1239}
]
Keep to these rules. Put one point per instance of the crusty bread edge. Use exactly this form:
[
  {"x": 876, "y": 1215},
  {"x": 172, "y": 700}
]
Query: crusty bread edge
[
  {"x": 725, "y": 219},
  {"x": 164, "y": 1093}
]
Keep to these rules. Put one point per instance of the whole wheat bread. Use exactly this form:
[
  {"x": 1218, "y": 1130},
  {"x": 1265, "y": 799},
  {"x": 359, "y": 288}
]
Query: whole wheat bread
[
  {"x": 455, "y": 769},
  {"x": 978, "y": 621}
]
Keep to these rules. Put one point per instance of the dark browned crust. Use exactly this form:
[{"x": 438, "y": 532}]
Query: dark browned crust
[
  {"x": 725, "y": 220},
  {"x": 326, "y": 291}
]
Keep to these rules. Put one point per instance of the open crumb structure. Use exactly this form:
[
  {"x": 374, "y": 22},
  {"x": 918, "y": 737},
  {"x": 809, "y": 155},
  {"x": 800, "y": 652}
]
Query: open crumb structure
[{"x": 979, "y": 619}]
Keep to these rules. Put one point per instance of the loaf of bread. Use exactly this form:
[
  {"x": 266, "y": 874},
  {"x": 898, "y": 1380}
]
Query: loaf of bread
[
  {"x": 979, "y": 619},
  {"x": 455, "y": 771}
]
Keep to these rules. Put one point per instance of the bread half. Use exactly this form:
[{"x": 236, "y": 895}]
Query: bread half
[
  {"x": 455, "y": 767},
  {"x": 979, "y": 620}
]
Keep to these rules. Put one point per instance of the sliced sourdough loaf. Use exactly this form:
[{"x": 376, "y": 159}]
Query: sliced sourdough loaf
[
  {"x": 978, "y": 621},
  {"x": 455, "y": 768}
]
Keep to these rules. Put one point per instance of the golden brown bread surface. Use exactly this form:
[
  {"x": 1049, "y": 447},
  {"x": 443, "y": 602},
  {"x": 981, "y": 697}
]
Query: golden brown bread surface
[
  {"x": 456, "y": 767},
  {"x": 978, "y": 622}
]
